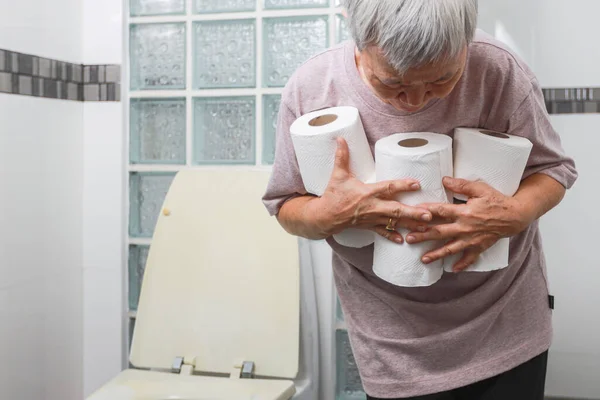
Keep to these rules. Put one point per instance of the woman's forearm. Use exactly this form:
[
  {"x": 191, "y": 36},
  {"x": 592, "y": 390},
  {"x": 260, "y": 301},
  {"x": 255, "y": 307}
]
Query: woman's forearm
[
  {"x": 299, "y": 217},
  {"x": 539, "y": 194}
]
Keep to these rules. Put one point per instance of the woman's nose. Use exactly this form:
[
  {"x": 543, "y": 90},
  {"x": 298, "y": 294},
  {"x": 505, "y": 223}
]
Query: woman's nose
[{"x": 414, "y": 96}]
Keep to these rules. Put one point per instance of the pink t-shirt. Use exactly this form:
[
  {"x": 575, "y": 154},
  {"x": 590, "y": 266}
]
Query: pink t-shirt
[{"x": 466, "y": 327}]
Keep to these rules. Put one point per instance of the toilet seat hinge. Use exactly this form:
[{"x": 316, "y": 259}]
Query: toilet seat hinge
[
  {"x": 183, "y": 366},
  {"x": 243, "y": 370}
]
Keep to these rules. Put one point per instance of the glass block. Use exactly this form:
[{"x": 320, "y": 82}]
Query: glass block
[
  {"x": 270, "y": 111},
  {"x": 131, "y": 329},
  {"x": 137, "y": 263},
  {"x": 342, "y": 32},
  {"x": 157, "y": 53},
  {"x": 279, "y": 4},
  {"x": 157, "y": 131},
  {"x": 225, "y": 54},
  {"x": 348, "y": 385},
  {"x": 147, "y": 191},
  {"x": 339, "y": 313},
  {"x": 290, "y": 41},
  {"x": 220, "y": 6},
  {"x": 156, "y": 7},
  {"x": 224, "y": 130}
]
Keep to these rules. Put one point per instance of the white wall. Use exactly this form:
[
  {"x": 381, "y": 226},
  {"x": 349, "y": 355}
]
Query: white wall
[
  {"x": 41, "y": 160},
  {"x": 41, "y": 177},
  {"x": 570, "y": 238},
  {"x": 557, "y": 38},
  {"x": 45, "y": 28},
  {"x": 103, "y": 199}
]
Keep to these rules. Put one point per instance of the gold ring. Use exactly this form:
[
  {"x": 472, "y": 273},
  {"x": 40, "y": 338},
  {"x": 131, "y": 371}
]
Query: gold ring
[{"x": 390, "y": 226}]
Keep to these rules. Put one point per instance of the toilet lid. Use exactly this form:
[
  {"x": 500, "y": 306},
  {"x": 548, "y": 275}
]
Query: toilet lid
[
  {"x": 146, "y": 385},
  {"x": 221, "y": 283}
]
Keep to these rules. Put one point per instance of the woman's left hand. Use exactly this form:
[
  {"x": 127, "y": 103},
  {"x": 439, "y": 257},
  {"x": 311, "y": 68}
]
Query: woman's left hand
[{"x": 474, "y": 227}]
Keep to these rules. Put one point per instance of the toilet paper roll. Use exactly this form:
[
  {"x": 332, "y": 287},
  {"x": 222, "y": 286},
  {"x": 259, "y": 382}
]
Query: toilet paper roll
[
  {"x": 426, "y": 157},
  {"x": 493, "y": 259},
  {"x": 495, "y": 158},
  {"x": 314, "y": 137},
  {"x": 499, "y": 160}
]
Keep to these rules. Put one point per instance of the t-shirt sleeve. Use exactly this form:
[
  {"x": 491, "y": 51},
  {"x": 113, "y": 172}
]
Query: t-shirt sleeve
[
  {"x": 548, "y": 157},
  {"x": 285, "y": 182}
]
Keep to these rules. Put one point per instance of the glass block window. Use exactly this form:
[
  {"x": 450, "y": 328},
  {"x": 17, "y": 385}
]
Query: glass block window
[
  {"x": 225, "y": 54},
  {"x": 288, "y": 42},
  {"x": 291, "y": 4},
  {"x": 205, "y": 85},
  {"x": 157, "y": 131},
  {"x": 157, "y": 56},
  {"x": 156, "y": 7},
  {"x": 138, "y": 255},
  {"x": 270, "y": 112},
  {"x": 223, "y": 6},
  {"x": 224, "y": 130},
  {"x": 342, "y": 32},
  {"x": 348, "y": 383},
  {"x": 147, "y": 192}
]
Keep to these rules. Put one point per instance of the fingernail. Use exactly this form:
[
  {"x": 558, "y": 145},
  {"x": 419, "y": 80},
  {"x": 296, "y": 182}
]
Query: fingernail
[
  {"x": 415, "y": 186},
  {"x": 426, "y": 260},
  {"x": 426, "y": 217},
  {"x": 410, "y": 239},
  {"x": 399, "y": 240}
]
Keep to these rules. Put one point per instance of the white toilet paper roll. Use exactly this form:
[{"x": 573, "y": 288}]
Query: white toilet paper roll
[
  {"x": 314, "y": 137},
  {"x": 426, "y": 157},
  {"x": 499, "y": 160},
  {"x": 495, "y": 158}
]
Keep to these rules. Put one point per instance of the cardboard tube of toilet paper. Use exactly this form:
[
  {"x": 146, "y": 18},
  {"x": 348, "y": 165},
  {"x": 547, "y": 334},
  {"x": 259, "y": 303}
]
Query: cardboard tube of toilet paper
[
  {"x": 499, "y": 160},
  {"x": 426, "y": 157},
  {"x": 314, "y": 138}
]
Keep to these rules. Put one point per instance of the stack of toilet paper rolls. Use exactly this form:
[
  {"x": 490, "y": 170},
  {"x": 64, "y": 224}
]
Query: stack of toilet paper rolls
[{"x": 478, "y": 155}]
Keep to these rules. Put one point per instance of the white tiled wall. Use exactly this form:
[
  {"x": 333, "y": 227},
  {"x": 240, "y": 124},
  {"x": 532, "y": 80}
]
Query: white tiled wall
[
  {"x": 570, "y": 237},
  {"x": 102, "y": 243},
  {"x": 41, "y": 282},
  {"x": 45, "y": 28},
  {"x": 102, "y": 31},
  {"x": 103, "y": 205},
  {"x": 557, "y": 38}
]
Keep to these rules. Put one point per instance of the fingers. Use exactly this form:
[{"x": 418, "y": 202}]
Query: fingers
[
  {"x": 444, "y": 211},
  {"x": 449, "y": 249},
  {"x": 469, "y": 258},
  {"x": 396, "y": 210},
  {"x": 465, "y": 187},
  {"x": 437, "y": 232},
  {"x": 392, "y": 236},
  {"x": 342, "y": 156},
  {"x": 389, "y": 189},
  {"x": 404, "y": 223}
]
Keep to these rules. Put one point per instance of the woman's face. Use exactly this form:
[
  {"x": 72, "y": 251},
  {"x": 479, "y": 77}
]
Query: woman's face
[{"x": 417, "y": 87}]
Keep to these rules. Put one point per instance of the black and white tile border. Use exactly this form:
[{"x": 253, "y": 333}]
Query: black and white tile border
[
  {"x": 572, "y": 100},
  {"x": 31, "y": 75}
]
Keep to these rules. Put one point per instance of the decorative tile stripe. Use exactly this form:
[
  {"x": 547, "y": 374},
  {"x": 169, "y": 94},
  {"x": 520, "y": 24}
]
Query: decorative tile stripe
[
  {"x": 572, "y": 100},
  {"x": 30, "y": 75}
]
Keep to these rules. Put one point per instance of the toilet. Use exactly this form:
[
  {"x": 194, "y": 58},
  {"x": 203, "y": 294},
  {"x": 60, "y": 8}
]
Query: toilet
[{"x": 219, "y": 315}]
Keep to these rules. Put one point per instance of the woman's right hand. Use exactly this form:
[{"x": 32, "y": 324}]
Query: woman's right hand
[{"x": 350, "y": 203}]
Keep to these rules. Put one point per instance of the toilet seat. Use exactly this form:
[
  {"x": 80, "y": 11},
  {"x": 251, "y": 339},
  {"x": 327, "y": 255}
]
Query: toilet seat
[
  {"x": 220, "y": 297},
  {"x": 147, "y": 385}
]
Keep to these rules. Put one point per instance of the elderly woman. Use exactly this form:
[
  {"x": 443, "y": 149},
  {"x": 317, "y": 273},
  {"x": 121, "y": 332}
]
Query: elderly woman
[{"x": 421, "y": 66}]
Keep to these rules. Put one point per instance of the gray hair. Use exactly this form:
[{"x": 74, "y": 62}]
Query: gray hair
[{"x": 413, "y": 33}]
